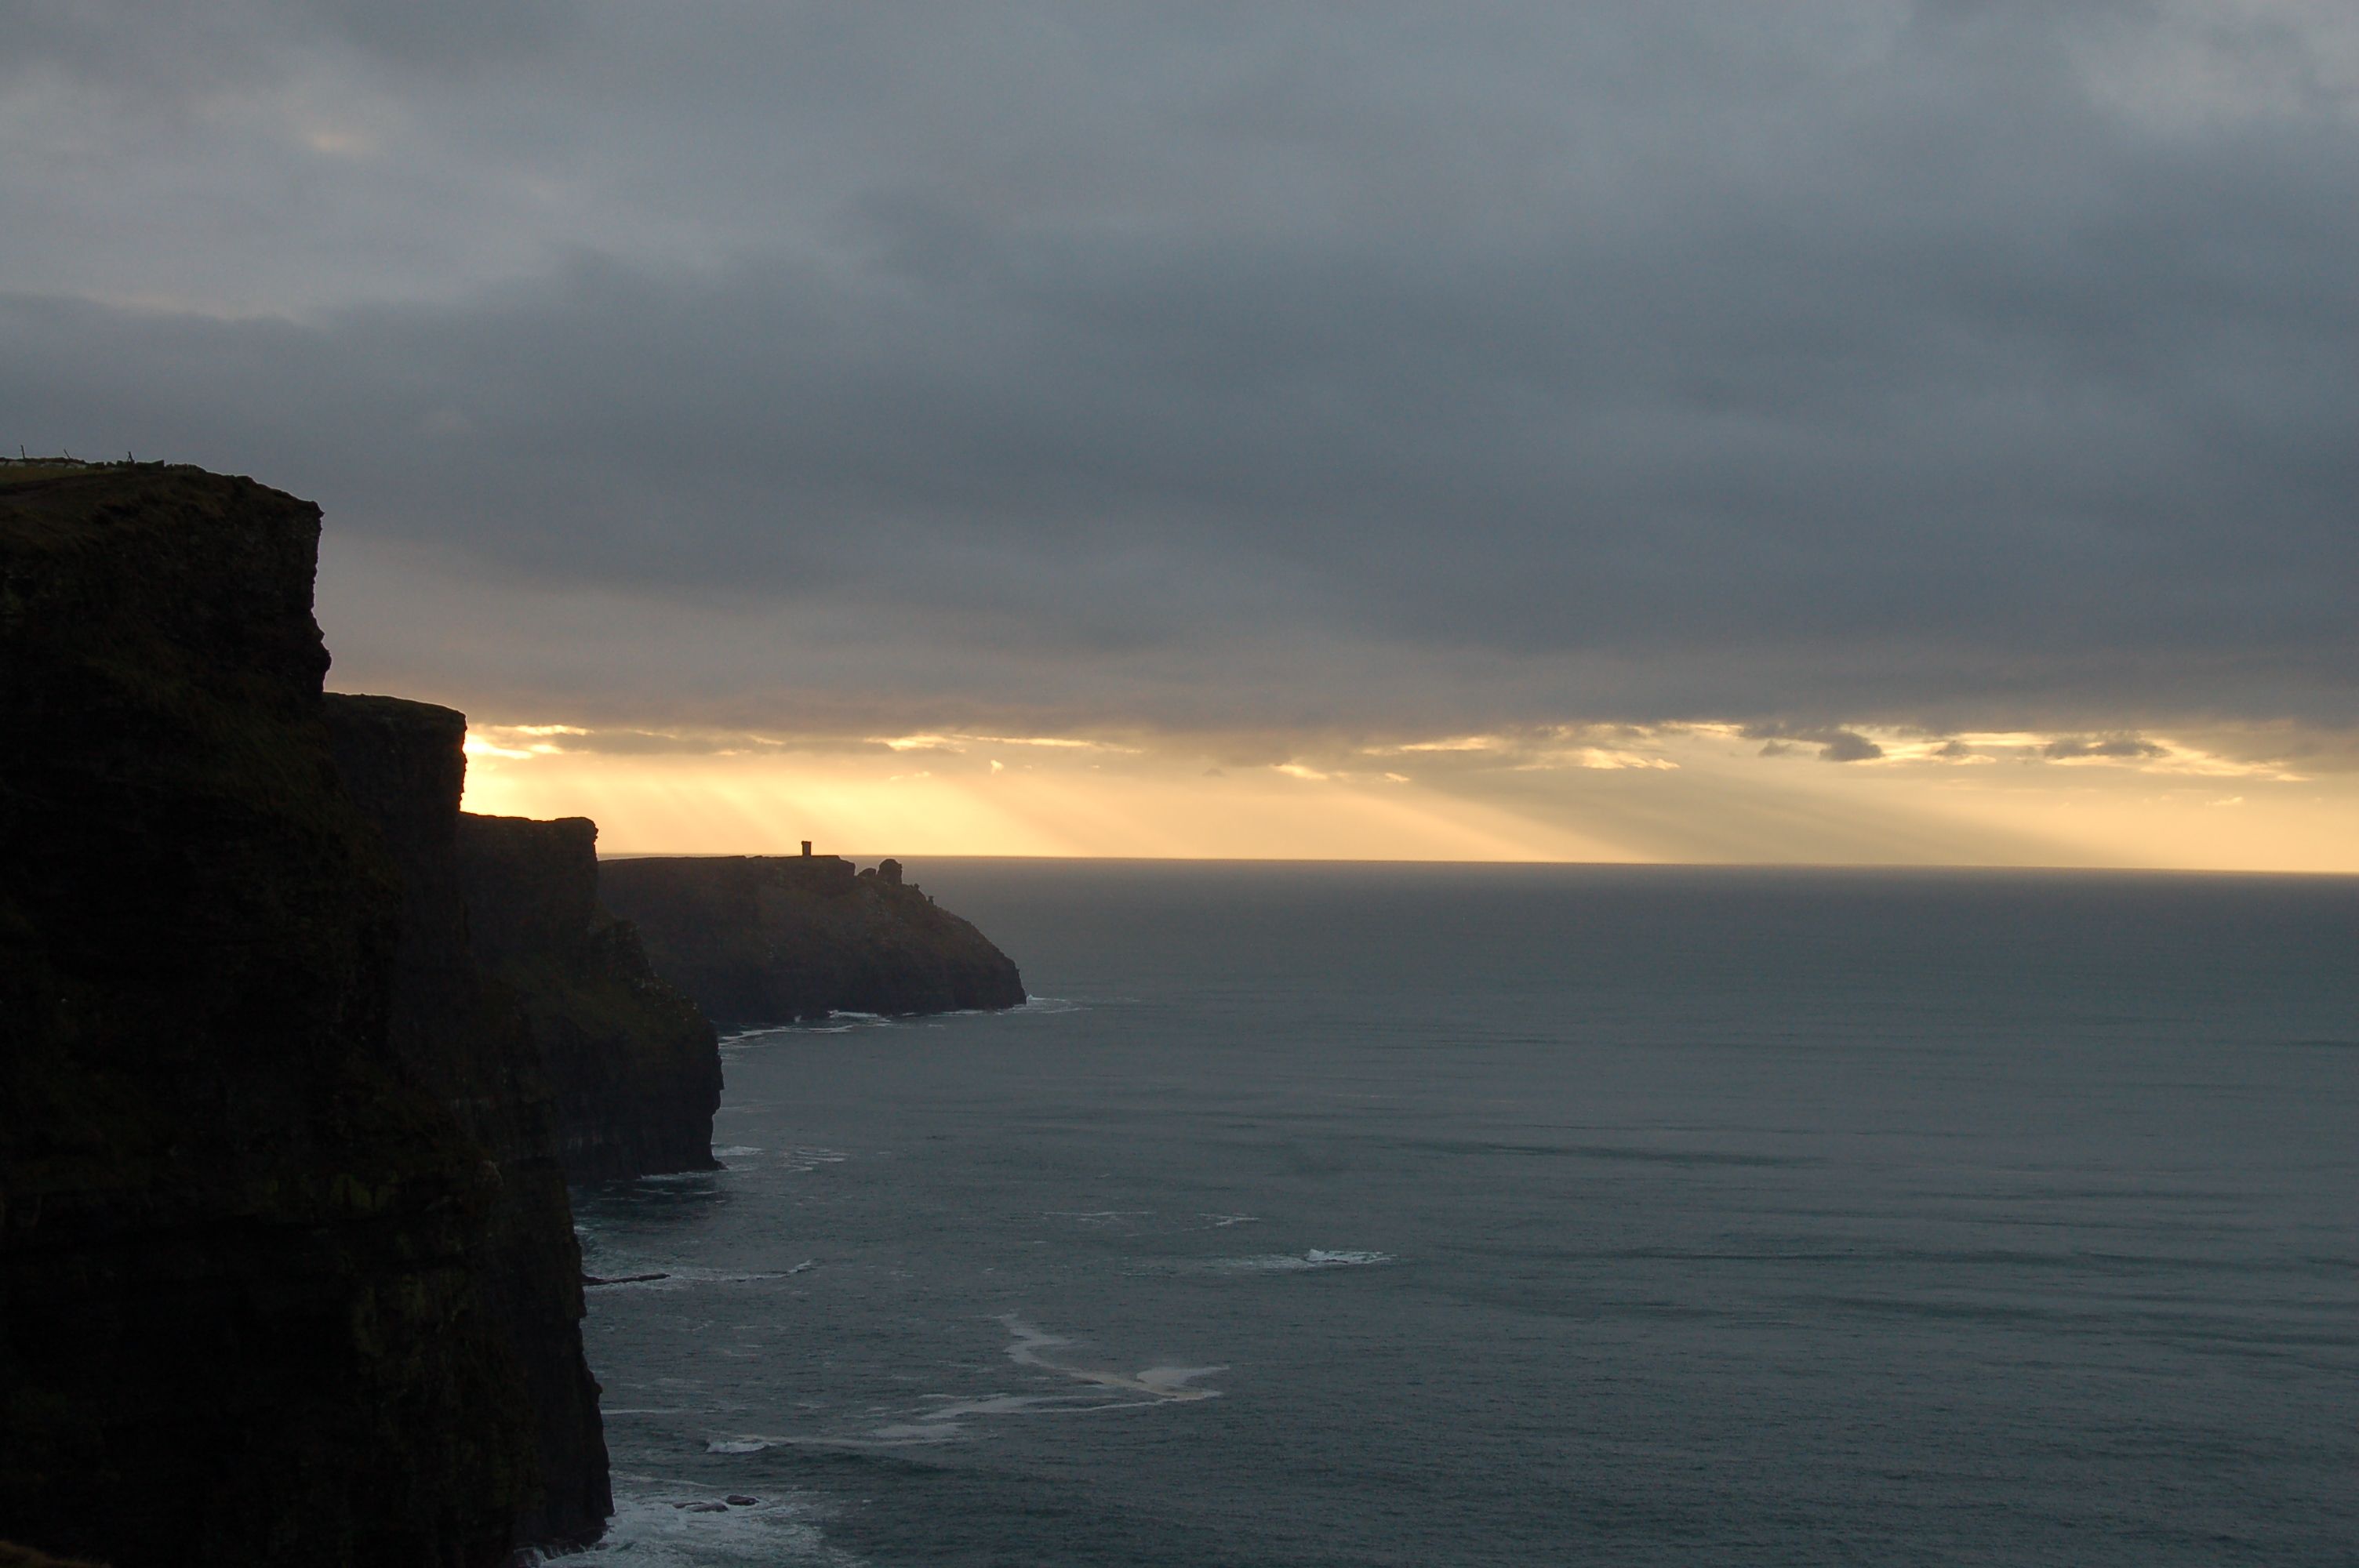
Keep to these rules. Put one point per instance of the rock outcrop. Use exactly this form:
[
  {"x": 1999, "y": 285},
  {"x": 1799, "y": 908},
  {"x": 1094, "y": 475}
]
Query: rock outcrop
[
  {"x": 463, "y": 1035},
  {"x": 633, "y": 1066},
  {"x": 284, "y": 1263},
  {"x": 761, "y": 939}
]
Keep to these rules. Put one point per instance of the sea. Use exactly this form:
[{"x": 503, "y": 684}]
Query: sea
[{"x": 1324, "y": 1215}]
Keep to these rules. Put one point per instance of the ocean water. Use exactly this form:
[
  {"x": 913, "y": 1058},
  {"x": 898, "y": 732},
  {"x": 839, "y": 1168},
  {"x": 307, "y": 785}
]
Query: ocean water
[{"x": 1439, "y": 1215}]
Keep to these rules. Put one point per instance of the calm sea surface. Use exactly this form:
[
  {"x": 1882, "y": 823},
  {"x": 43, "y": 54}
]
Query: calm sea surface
[{"x": 1436, "y": 1216}]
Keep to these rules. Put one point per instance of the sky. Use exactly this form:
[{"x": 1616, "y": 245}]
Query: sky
[{"x": 1841, "y": 431}]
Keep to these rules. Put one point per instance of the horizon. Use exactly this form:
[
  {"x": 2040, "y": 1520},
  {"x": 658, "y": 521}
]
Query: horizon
[
  {"x": 1800, "y": 867},
  {"x": 1675, "y": 796}
]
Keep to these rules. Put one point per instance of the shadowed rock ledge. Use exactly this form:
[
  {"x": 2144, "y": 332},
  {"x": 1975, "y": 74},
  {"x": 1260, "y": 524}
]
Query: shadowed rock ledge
[
  {"x": 766, "y": 940},
  {"x": 633, "y": 1066}
]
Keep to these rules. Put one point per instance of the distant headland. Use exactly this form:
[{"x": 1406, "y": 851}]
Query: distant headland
[{"x": 761, "y": 939}]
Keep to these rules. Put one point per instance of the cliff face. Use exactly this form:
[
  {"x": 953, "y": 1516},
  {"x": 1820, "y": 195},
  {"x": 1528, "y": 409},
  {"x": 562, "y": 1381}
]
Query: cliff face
[
  {"x": 462, "y": 1035},
  {"x": 244, "y": 1311},
  {"x": 766, "y": 939},
  {"x": 633, "y": 1066}
]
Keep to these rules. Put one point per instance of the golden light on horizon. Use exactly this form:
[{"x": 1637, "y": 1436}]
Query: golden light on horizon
[{"x": 1677, "y": 793}]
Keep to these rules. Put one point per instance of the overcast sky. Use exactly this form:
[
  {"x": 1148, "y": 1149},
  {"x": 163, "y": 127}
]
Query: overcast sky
[{"x": 1249, "y": 378}]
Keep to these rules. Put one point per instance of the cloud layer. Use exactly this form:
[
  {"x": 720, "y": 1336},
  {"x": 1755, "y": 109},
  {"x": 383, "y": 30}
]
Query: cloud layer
[{"x": 1381, "y": 373}]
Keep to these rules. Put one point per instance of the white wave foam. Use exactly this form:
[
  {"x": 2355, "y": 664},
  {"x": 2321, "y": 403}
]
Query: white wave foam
[
  {"x": 1171, "y": 1382},
  {"x": 1027, "y": 1348},
  {"x": 735, "y": 1152},
  {"x": 1097, "y": 1216},
  {"x": 690, "y": 1528},
  {"x": 844, "y": 1022},
  {"x": 1298, "y": 1262}
]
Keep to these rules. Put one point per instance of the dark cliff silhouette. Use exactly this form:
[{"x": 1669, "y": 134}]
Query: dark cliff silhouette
[
  {"x": 766, "y": 940},
  {"x": 296, "y": 1060},
  {"x": 633, "y": 1066},
  {"x": 464, "y": 1035},
  {"x": 246, "y": 1314},
  {"x": 287, "y": 1267}
]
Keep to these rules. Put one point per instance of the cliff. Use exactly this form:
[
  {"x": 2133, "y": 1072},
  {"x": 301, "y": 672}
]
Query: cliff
[
  {"x": 245, "y": 1310},
  {"x": 462, "y": 1035},
  {"x": 633, "y": 1066},
  {"x": 288, "y": 1273},
  {"x": 761, "y": 939}
]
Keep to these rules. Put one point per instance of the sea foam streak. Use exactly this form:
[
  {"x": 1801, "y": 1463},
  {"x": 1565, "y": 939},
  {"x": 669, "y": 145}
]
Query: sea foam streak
[
  {"x": 942, "y": 1420},
  {"x": 1158, "y": 1382},
  {"x": 1297, "y": 1262},
  {"x": 680, "y": 1276}
]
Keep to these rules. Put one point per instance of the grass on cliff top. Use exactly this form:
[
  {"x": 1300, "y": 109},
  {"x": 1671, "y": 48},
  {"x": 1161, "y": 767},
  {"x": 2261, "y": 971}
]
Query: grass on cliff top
[{"x": 24, "y": 470}]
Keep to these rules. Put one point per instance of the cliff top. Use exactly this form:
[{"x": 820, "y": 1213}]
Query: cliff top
[
  {"x": 95, "y": 564},
  {"x": 67, "y": 490},
  {"x": 401, "y": 759},
  {"x": 21, "y": 467}
]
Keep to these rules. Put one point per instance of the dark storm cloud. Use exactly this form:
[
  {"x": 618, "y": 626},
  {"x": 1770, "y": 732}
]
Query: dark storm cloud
[
  {"x": 1844, "y": 746},
  {"x": 2118, "y": 748},
  {"x": 1954, "y": 364},
  {"x": 1835, "y": 745}
]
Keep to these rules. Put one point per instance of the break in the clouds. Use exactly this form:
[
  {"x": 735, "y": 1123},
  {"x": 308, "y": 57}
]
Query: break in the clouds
[{"x": 1366, "y": 373}]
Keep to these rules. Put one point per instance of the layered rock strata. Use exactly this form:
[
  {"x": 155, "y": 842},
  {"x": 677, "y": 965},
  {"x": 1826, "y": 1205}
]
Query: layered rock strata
[
  {"x": 633, "y": 1066},
  {"x": 760, "y": 939}
]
